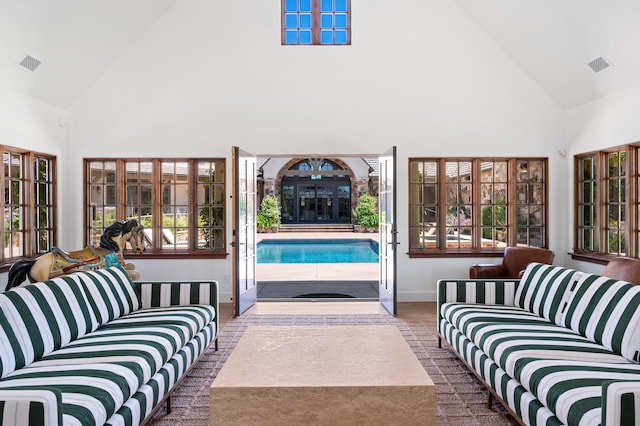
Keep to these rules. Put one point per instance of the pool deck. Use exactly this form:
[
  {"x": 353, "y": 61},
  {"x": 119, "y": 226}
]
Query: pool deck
[{"x": 317, "y": 271}]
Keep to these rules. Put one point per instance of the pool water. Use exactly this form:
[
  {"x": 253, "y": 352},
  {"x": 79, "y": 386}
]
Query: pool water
[{"x": 317, "y": 251}]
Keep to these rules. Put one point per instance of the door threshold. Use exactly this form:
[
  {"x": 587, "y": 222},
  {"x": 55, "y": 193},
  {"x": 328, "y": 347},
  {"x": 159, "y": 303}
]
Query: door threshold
[{"x": 317, "y": 307}]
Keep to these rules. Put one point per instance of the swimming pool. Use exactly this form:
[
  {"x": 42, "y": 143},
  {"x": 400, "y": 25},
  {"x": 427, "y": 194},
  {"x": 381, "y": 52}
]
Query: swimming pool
[{"x": 318, "y": 251}]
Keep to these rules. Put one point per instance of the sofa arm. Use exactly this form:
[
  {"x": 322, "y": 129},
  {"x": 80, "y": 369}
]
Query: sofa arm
[
  {"x": 154, "y": 294},
  {"x": 488, "y": 291},
  {"x": 620, "y": 402},
  {"x": 29, "y": 407}
]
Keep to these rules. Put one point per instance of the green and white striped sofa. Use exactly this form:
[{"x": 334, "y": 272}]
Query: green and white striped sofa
[
  {"x": 94, "y": 348},
  {"x": 556, "y": 347}
]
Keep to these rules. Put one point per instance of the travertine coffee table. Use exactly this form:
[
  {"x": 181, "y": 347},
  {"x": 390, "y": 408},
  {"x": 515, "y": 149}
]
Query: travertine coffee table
[{"x": 333, "y": 375}]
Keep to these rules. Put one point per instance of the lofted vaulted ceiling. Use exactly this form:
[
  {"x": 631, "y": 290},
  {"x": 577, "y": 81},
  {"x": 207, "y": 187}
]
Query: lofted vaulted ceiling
[
  {"x": 76, "y": 41},
  {"x": 551, "y": 40}
]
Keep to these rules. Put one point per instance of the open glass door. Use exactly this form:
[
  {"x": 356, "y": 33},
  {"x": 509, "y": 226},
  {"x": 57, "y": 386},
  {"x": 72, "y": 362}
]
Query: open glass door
[
  {"x": 388, "y": 230},
  {"x": 244, "y": 230}
]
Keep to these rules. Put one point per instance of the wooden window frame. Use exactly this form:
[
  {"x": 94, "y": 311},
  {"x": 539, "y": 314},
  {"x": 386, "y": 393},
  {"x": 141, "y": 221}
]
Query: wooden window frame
[
  {"x": 600, "y": 252},
  {"x": 315, "y": 25},
  {"x": 31, "y": 228},
  {"x": 156, "y": 249},
  {"x": 476, "y": 248}
]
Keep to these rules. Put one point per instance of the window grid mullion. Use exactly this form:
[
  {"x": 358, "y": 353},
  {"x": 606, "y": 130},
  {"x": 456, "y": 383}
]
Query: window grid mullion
[
  {"x": 476, "y": 203},
  {"x": 315, "y": 21},
  {"x": 601, "y": 204},
  {"x": 156, "y": 202},
  {"x": 631, "y": 226},
  {"x": 193, "y": 204},
  {"x": 512, "y": 181},
  {"x": 442, "y": 196}
]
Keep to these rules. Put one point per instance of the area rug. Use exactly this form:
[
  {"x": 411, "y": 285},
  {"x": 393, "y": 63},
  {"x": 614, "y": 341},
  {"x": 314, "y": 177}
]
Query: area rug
[{"x": 461, "y": 399}]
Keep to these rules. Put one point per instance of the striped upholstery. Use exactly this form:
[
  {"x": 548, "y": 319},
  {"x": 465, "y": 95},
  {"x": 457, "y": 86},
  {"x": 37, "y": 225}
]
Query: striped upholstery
[
  {"x": 110, "y": 292},
  {"x": 524, "y": 404},
  {"x": 608, "y": 312},
  {"x": 38, "y": 318},
  {"x": 621, "y": 403},
  {"x": 545, "y": 289},
  {"x": 139, "y": 406},
  {"x": 500, "y": 292},
  {"x": 563, "y": 369},
  {"x": 162, "y": 294},
  {"x": 79, "y": 349},
  {"x": 98, "y": 373},
  {"x": 545, "y": 372},
  {"x": 28, "y": 407}
]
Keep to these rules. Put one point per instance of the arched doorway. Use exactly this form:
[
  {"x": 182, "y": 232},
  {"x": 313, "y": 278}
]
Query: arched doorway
[{"x": 315, "y": 190}]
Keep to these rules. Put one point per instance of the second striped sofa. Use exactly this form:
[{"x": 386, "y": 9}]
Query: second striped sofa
[
  {"x": 557, "y": 347},
  {"x": 94, "y": 348}
]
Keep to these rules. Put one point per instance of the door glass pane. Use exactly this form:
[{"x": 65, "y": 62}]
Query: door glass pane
[
  {"x": 344, "y": 203},
  {"x": 324, "y": 197},
  {"x": 307, "y": 203}
]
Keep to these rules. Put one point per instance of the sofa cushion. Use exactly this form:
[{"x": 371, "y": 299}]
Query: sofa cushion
[
  {"x": 110, "y": 292},
  {"x": 573, "y": 390},
  {"x": 544, "y": 290},
  {"x": 606, "y": 311},
  {"x": 36, "y": 319},
  {"x": 98, "y": 373},
  {"x": 149, "y": 337},
  {"x": 508, "y": 336}
]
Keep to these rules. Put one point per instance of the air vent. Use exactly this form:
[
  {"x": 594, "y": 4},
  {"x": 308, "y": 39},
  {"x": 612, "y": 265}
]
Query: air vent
[
  {"x": 30, "y": 63},
  {"x": 599, "y": 64}
]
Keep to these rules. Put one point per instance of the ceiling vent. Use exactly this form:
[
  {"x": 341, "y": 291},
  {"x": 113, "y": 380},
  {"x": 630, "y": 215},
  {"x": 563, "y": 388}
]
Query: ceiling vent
[
  {"x": 599, "y": 64},
  {"x": 30, "y": 63}
]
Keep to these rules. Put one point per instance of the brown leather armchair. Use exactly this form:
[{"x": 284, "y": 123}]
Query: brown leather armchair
[
  {"x": 513, "y": 264},
  {"x": 623, "y": 268}
]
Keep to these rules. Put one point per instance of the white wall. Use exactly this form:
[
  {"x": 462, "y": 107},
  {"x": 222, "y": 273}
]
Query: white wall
[
  {"x": 419, "y": 75},
  {"x": 33, "y": 125},
  {"x": 606, "y": 123}
]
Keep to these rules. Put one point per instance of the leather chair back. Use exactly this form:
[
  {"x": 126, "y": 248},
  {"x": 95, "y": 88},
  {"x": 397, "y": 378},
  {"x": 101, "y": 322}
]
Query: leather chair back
[
  {"x": 623, "y": 268},
  {"x": 516, "y": 259}
]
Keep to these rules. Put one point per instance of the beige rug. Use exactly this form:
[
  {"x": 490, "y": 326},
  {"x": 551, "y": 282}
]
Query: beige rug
[{"x": 460, "y": 397}]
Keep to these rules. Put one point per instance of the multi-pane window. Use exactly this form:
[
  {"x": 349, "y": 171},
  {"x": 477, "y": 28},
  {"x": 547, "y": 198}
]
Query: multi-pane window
[
  {"x": 475, "y": 205},
  {"x": 179, "y": 202},
  {"x": 458, "y": 203},
  {"x": 43, "y": 186},
  {"x": 316, "y": 22},
  {"x": 29, "y": 203},
  {"x": 586, "y": 207},
  {"x": 607, "y": 202}
]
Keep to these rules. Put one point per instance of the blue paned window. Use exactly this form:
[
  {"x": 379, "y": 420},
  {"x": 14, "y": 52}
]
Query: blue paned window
[{"x": 326, "y": 22}]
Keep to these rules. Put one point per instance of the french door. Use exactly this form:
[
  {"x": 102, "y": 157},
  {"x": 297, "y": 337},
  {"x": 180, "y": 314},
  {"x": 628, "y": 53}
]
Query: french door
[
  {"x": 388, "y": 231},
  {"x": 244, "y": 180}
]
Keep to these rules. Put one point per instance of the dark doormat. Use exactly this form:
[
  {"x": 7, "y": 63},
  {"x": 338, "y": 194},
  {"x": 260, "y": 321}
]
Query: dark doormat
[{"x": 318, "y": 289}]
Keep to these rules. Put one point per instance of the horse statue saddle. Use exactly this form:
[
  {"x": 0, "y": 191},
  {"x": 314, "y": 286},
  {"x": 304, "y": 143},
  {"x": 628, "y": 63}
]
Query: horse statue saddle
[{"x": 86, "y": 259}]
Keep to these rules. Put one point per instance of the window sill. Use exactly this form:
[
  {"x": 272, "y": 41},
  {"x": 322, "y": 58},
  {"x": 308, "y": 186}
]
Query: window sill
[
  {"x": 599, "y": 259},
  {"x": 454, "y": 253},
  {"x": 203, "y": 254}
]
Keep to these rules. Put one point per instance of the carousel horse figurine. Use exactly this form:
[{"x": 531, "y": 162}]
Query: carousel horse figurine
[{"x": 57, "y": 262}]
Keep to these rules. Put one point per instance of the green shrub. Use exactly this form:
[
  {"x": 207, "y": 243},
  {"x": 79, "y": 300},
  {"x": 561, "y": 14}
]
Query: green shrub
[
  {"x": 367, "y": 212},
  {"x": 269, "y": 213}
]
